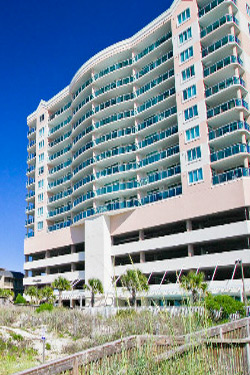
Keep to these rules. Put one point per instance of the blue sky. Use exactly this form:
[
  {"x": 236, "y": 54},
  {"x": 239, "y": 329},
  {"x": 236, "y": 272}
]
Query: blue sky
[{"x": 42, "y": 45}]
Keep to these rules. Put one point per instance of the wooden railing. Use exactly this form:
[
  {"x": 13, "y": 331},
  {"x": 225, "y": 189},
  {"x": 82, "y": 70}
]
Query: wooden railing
[{"x": 234, "y": 336}]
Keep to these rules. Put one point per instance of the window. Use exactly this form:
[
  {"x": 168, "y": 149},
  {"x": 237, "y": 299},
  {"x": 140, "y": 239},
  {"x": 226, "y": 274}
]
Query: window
[
  {"x": 184, "y": 16},
  {"x": 41, "y": 157},
  {"x": 40, "y": 170},
  {"x": 40, "y": 211},
  {"x": 41, "y": 145},
  {"x": 42, "y": 118},
  {"x": 189, "y": 93},
  {"x": 40, "y": 197},
  {"x": 191, "y": 112},
  {"x": 187, "y": 54},
  {"x": 192, "y": 133},
  {"x": 195, "y": 176},
  {"x": 40, "y": 184},
  {"x": 188, "y": 73},
  {"x": 40, "y": 225},
  {"x": 248, "y": 9},
  {"x": 41, "y": 132},
  {"x": 194, "y": 154},
  {"x": 185, "y": 35}
]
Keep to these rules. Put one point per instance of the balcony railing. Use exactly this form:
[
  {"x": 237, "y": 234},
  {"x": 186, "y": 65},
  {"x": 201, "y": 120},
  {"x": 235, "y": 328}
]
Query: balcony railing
[
  {"x": 115, "y": 84},
  {"x": 153, "y": 46},
  {"x": 31, "y": 143},
  {"x": 116, "y": 169},
  {"x": 31, "y": 131},
  {"x": 157, "y": 99},
  {"x": 211, "y": 6},
  {"x": 154, "y": 64},
  {"x": 30, "y": 182},
  {"x": 85, "y": 101},
  {"x": 57, "y": 226},
  {"x": 29, "y": 208},
  {"x": 220, "y": 43},
  {"x": 233, "y": 59},
  {"x": 114, "y": 67},
  {"x": 60, "y": 181},
  {"x": 233, "y": 103},
  {"x": 59, "y": 126},
  {"x": 83, "y": 165},
  {"x": 29, "y": 221},
  {"x": 171, "y": 171},
  {"x": 115, "y": 134},
  {"x": 60, "y": 139},
  {"x": 159, "y": 156},
  {"x": 60, "y": 167},
  {"x": 83, "y": 118},
  {"x": 83, "y": 86},
  {"x": 30, "y": 234},
  {"x": 155, "y": 82},
  {"x": 84, "y": 181},
  {"x": 158, "y": 136},
  {"x": 31, "y": 157},
  {"x": 116, "y": 151},
  {"x": 157, "y": 118},
  {"x": 60, "y": 153},
  {"x": 118, "y": 187},
  {"x": 113, "y": 101},
  {"x": 60, "y": 210},
  {"x": 31, "y": 169},
  {"x": 30, "y": 194},
  {"x": 83, "y": 133},
  {"x": 234, "y": 174},
  {"x": 60, "y": 195},
  {"x": 223, "y": 85},
  {"x": 84, "y": 148},
  {"x": 230, "y": 151},
  {"x": 229, "y": 128},
  {"x": 160, "y": 195},
  {"x": 90, "y": 194},
  {"x": 61, "y": 110},
  {"x": 115, "y": 117},
  {"x": 225, "y": 19}
]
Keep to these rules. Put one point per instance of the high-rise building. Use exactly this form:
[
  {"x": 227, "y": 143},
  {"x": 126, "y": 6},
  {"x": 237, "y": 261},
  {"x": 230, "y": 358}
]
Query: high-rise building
[{"x": 143, "y": 160}]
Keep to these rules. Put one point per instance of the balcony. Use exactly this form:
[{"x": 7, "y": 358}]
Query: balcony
[
  {"x": 114, "y": 101},
  {"x": 30, "y": 182},
  {"x": 31, "y": 158},
  {"x": 158, "y": 137},
  {"x": 59, "y": 211},
  {"x": 160, "y": 195},
  {"x": 159, "y": 156},
  {"x": 58, "y": 226},
  {"x": 159, "y": 176},
  {"x": 82, "y": 104},
  {"x": 83, "y": 134},
  {"x": 233, "y": 103},
  {"x": 234, "y": 174},
  {"x": 59, "y": 111},
  {"x": 153, "y": 101},
  {"x": 213, "y": 5},
  {"x": 119, "y": 65},
  {"x": 229, "y": 128},
  {"x": 60, "y": 167},
  {"x": 153, "y": 46},
  {"x": 157, "y": 118},
  {"x": 30, "y": 195},
  {"x": 29, "y": 234},
  {"x": 233, "y": 81},
  {"x": 29, "y": 221},
  {"x": 83, "y": 198},
  {"x": 115, "y": 134},
  {"x": 155, "y": 82},
  {"x": 31, "y": 131},
  {"x": 232, "y": 59},
  {"x": 114, "y": 85},
  {"x": 228, "y": 18},
  {"x": 131, "y": 166},
  {"x": 84, "y": 148},
  {"x": 83, "y": 86},
  {"x": 60, "y": 126},
  {"x": 60, "y": 153},
  {"x": 121, "y": 150},
  {"x": 59, "y": 196},
  {"x": 230, "y": 151},
  {"x": 228, "y": 39},
  {"x": 31, "y": 144},
  {"x": 153, "y": 65},
  {"x": 84, "y": 181},
  {"x": 115, "y": 117},
  {"x": 117, "y": 187},
  {"x": 30, "y": 208},
  {"x": 59, "y": 140},
  {"x": 59, "y": 182}
]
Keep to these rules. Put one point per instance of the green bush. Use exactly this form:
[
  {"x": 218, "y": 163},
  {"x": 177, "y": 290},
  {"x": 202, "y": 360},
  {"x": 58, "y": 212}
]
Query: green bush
[
  {"x": 226, "y": 305},
  {"x": 44, "y": 307},
  {"x": 48, "y": 346},
  {"x": 20, "y": 299}
]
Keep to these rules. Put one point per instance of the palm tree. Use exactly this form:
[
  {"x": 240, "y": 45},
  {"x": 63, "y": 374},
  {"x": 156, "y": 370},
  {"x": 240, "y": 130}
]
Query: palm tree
[
  {"x": 194, "y": 282},
  {"x": 61, "y": 284},
  {"x": 6, "y": 293},
  {"x": 95, "y": 286},
  {"x": 32, "y": 292},
  {"x": 134, "y": 281},
  {"x": 48, "y": 294}
]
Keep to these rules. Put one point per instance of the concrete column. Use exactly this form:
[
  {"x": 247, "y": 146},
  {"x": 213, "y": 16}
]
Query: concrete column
[
  {"x": 47, "y": 254},
  {"x": 141, "y": 235},
  {"x": 73, "y": 249},
  {"x": 47, "y": 271},
  {"x": 190, "y": 250},
  {"x": 80, "y": 302},
  {"x": 73, "y": 267},
  {"x": 189, "y": 225},
  {"x": 142, "y": 257}
]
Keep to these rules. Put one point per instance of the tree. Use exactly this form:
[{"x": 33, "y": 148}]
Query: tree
[
  {"x": 6, "y": 293},
  {"x": 194, "y": 282},
  {"x": 220, "y": 307},
  {"x": 95, "y": 286},
  {"x": 20, "y": 299},
  {"x": 33, "y": 292},
  {"x": 135, "y": 282},
  {"x": 61, "y": 284},
  {"x": 48, "y": 294}
]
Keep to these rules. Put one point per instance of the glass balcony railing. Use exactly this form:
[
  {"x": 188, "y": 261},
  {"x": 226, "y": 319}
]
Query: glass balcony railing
[
  {"x": 160, "y": 195},
  {"x": 84, "y": 214},
  {"x": 220, "y": 22},
  {"x": 60, "y": 181},
  {"x": 31, "y": 143},
  {"x": 83, "y": 165},
  {"x": 60, "y": 153},
  {"x": 84, "y": 181},
  {"x": 155, "y": 82},
  {"x": 223, "y": 85},
  {"x": 60, "y": 139},
  {"x": 85, "y": 101},
  {"x": 114, "y": 67},
  {"x": 83, "y": 149},
  {"x": 61, "y": 225},
  {"x": 83, "y": 133},
  {"x": 159, "y": 156},
  {"x": 220, "y": 43},
  {"x": 116, "y": 169},
  {"x": 230, "y": 151},
  {"x": 90, "y": 194},
  {"x": 229, "y": 128},
  {"x": 30, "y": 207},
  {"x": 60, "y": 195},
  {"x": 30, "y": 194},
  {"x": 154, "y": 64},
  {"x": 154, "y": 177},
  {"x": 31, "y": 157},
  {"x": 115, "y": 117},
  {"x": 29, "y": 221},
  {"x": 233, "y": 174},
  {"x": 211, "y": 6},
  {"x": 116, "y": 151},
  {"x": 113, "y": 85},
  {"x": 59, "y": 126},
  {"x": 83, "y": 86},
  {"x": 59, "y": 210},
  {"x": 117, "y": 187},
  {"x": 31, "y": 131},
  {"x": 30, "y": 234},
  {"x": 31, "y": 169},
  {"x": 233, "y": 103},
  {"x": 153, "y": 46},
  {"x": 114, "y": 101},
  {"x": 157, "y": 118},
  {"x": 30, "y": 181},
  {"x": 115, "y": 134},
  {"x": 83, "y": 118},
  {"x": 61, "y": 110},
  {"x": 60, "y": 167},
  {"x": 155, "y": 100},
  {"x": 158, "y": 136},
  {"x": 222, "y": 64}
]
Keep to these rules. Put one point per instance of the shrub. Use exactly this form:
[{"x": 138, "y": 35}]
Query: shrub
[
  {"x": 44, "y": 307},
  {"x": 48, "y": 346},
  {"x": 20, "y": 299},
  {"x": 224, "y": 304}
]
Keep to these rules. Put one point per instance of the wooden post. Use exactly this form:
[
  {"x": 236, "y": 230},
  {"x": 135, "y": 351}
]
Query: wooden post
[{"x": 75, "y": 367}]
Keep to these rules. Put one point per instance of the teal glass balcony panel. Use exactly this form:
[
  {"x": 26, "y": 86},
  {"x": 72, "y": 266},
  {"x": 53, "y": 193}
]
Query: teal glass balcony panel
[
  {"x": 113, "y": 85},
  {"x": 60, "y": 195},
  {"x": 31, "y": 143},
  {"x": 171, "y": 171},
  {"x": 115, "y": 117},
  {"x": 59, "y": 181},
  {"x": 115, "y": 134},
  {"x": 61, "y": 110},
  {"x": 220, "y": 43},
  {"x": 233, "y": 103},
  {"x": 154, "y": 64},
  {"x": 29, "y": 234},
  {"x": 157, "y": 118},
  {"x": 116, "y": 151},
  {"x": 30, "y": 207},
  {"x": 85, "y": 101},
  {"x": 158, "y": 136},
  {"x": 233, "y": 174},
  {"x": 223, "y": 85},
  {"x": 148, "y": 86},
  {"x": 157, "y": 99},
  {"x": 116, "y": 169},
  {"x": 84, "y": 214},
  {"x": 61, "y": 225},
  {"x": 30, "y": 181},
  {"x": 211, "y": 6},
  {"x": 29, "y": 221},
  {"x": 84, "y": 181},
  {"x": 229, "y": 128},
  {"x": 31, "y": 157},
  {"x": 83, "y": 133},
  {"x": 59, "y": 126},
  {"x": 59, "y": 210},
  {"x": 60, "y": 167},
  {"x": 60, "y": 139},
  {"x": 117, "y": 187},
  {"x": 83, "y": 118},
  {"x": 61, "y": 152},
  {"x": 114, "y": 67},
  {"x": 83, "y": 86},
  {"x": 160, "y": 195},
  {"x": 83, "y": 149},
  {"x": 114, "y": 101},
  {"x": 90, "y": 194},
  {"x": 31, "y": 169},
  {"x": 83, "y": 165},
  {"x": 153, "y": 46},
  {"x": 30, "y": 194},
  {"x": 227, "y": 18},
  {"x": 159, "y": 156},
  {"x": 233, "y": 59},
  {"x": 229, "y": 151},
  {"x": 31, "y": 131}
]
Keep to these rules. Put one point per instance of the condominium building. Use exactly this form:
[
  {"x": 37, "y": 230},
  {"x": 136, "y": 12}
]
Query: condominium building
[
  {"x": 143, "y": 160},
  {"x": 11, "y": 280}
]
